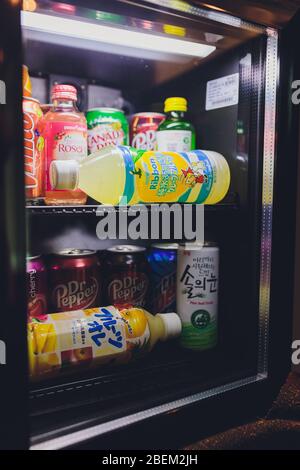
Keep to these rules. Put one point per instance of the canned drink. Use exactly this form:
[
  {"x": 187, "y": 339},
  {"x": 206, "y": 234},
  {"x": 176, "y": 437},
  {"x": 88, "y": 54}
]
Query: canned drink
[
  {"x": 27, "y": 89},
  {"x": 106, "y": 126},
  {"x": 33, "y": 148},
  {"x": 163, "y": 267},
  {"x": 36, "y": 284},
  {"x": 74, "y": 280},
  {"x": 197, "y": 295},
  {"x": 143, "y": 127},
  {"x": 127, "y": 276}
]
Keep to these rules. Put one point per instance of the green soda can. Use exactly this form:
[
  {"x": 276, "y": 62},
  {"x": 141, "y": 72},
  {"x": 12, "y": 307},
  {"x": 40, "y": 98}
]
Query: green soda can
[
  {"x": 197, "y": 295},
  {"x": 106, "y": 126}
]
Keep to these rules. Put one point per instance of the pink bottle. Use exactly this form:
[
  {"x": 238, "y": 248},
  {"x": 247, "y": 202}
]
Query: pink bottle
[{"x": 65, "y": 133}]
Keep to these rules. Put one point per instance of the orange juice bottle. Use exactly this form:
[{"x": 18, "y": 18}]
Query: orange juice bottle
[
  {"x": 72, "y": 341},
  {"x": 65, "y": 133}
]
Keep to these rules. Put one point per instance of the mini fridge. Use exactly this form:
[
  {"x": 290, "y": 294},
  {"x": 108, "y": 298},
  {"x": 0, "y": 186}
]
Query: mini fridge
[{"x": 236, "y": 70}]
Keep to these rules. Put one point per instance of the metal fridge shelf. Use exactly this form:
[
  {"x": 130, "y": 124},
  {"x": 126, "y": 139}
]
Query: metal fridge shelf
[{"x": 92, "y": 209}]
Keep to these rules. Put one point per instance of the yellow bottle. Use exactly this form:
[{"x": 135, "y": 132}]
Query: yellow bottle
[
  {"x": 126, "y": 176},
  {"x": 82, "y": 339}
]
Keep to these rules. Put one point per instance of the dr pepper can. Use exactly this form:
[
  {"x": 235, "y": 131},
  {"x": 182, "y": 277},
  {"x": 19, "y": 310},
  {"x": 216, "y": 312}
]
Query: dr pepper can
[
  {"x": 143, "y": 127},
  {"x": 127, "y": 276},
  {"x": 74, "y": 280}
]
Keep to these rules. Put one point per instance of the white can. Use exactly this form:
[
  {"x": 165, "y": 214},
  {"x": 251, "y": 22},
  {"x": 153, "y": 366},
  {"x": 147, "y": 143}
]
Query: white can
[{"x": 197, "y": 295}]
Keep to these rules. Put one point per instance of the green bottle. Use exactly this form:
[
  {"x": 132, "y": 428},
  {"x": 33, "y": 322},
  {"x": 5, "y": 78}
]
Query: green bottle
[{"x": 176, "y": 134}]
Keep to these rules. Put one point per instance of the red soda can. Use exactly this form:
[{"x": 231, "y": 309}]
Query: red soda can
[
  {"x": 74, "y": 280},
  {"x": 33, "y": 148},
  {"x": 36, "y": 284},
  {"x": 127, "y": 276},
  {"x": 143, "y": 127}
]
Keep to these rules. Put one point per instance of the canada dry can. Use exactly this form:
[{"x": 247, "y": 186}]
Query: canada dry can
[
  {"x": 127, "y": 274},
  {"x": 143, "y": 127},
  {"x": 74, "y": 280},
  {"x": 34, "y": 156},
  {"x": 36, "y": 284},
  {"x": 106, "y": 126},
  {"x": 197, "y": 295},
  {"x": 163, "y": 268}
]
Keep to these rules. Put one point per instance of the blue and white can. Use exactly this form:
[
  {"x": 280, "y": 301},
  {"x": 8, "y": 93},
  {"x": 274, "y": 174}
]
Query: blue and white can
[{"x": 163, "y": 263}]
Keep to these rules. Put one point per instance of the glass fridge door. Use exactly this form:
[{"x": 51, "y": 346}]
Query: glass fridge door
[{"x": 132, "y": 56}]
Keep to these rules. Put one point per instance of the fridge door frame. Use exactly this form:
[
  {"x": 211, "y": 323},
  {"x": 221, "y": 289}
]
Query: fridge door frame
[{"x": 14, "y": 430}]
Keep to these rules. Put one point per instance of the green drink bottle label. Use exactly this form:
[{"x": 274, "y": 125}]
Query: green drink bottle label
[
  {"x": 174, "y": 141},
  {"x": 197, "y": 296}
]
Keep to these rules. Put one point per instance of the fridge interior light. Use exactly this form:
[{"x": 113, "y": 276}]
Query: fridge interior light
[{"x": 49, "y": 28}]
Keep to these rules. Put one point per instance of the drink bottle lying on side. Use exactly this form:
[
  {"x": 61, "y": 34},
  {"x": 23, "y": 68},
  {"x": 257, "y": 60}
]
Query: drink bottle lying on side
[
  {"x": 127, "y": 176},
  {"x": 78, "y": 340}
]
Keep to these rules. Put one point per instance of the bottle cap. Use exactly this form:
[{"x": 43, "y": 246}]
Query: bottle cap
[
  {"x": 68, "y": 92},
  {"x": 64, "y": 174},
  {"x": 175, "y": 104},
  {"x": 172, "y": 324}
]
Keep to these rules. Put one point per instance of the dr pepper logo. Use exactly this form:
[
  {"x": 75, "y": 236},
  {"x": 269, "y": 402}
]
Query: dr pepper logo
[
  {"x": 129, "y": 289},
  {"x": 75, "y": 295}
]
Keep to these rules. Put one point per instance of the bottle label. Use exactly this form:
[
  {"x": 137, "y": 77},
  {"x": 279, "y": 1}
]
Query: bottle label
[
  {"x": 197, "y": 297},
  {"x": 169, "y": 176},
  {"x": 33, "y": 149},
  {"x": 83, "y": 338},
  {"x": 65, "y": 141},
  {"x": 103, "y": 135},
  {"x": 174, "y": 141}
]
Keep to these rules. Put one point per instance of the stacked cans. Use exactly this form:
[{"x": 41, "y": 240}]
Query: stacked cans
[{"x": 167, "y": 278}]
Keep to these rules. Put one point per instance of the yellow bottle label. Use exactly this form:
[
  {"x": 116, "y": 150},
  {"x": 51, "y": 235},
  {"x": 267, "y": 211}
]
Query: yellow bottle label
[
  {"x": 89, "y": 337},
  {"x": 172, "y": 176}
]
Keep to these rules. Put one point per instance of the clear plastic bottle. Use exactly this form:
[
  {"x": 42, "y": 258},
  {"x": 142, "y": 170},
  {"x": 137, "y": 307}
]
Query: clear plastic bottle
[
  {"x": 65, "y": 133},
  {"x": 126, "y": 176},
  {"x": 72, "y": 341},
  {"x": 176, "y": 133}
]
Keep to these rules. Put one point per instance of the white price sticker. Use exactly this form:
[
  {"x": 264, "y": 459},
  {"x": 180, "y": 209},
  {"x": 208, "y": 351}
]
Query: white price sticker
[{"x": 222, "y": 92}]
